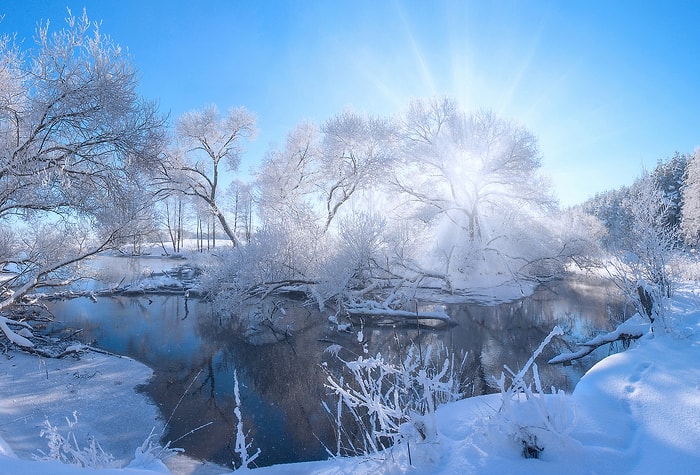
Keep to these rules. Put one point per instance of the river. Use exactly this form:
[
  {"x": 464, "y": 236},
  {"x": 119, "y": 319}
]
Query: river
[{"x": 194, "y": 355}]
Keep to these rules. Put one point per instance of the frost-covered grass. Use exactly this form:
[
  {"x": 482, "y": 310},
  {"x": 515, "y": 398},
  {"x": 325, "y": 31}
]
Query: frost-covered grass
[{"x": 390, "y": 404}]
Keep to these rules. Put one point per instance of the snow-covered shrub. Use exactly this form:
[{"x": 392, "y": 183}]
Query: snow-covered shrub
[
  {"x": 391, "y": 403},
  {"x": 642, "y": 268},
  {"x": 361, "y": 237},
  {"x": 67, "y": 450},
  {"x": 528, "y": 416},
  {"x": 353, "y": 264},
  {"x": 279, "y": 257},
  {"x": 151, "y": 454}
]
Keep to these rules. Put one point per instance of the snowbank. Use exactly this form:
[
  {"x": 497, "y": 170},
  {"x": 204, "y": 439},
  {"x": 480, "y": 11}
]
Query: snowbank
[{"x": 101, "y": 389}]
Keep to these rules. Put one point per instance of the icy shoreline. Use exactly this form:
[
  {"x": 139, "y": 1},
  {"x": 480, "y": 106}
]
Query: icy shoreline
[{"x": 101, "y": 389}]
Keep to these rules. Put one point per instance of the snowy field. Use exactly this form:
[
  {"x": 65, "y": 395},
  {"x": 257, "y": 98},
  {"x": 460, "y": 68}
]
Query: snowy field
[{"x": 636, "y": 412}]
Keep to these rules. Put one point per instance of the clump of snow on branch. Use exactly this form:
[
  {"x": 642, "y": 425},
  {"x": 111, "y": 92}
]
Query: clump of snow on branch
[{"x": 15, "y": 337}]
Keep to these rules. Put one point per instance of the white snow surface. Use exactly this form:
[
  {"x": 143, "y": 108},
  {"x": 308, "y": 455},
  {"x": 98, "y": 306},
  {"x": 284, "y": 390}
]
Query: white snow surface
[
  {"x": 100, "y": 389},
  {"x": 637, "y": 412}
]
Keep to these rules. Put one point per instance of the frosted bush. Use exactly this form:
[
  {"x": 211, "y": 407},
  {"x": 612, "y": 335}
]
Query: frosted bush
[
  {"x": 67, "y": 450},
  {"x": 528, "y": 416},
  {"x": 391, "y": 404},
  {"x": 151, "y": 453}
]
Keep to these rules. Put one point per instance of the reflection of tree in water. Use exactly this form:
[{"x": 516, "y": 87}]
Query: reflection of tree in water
[
  {"x": 288, "y": 377},
  {"x": 281, "y": 390},
  {"x": 187, "y": 399},
  {"x": 507, "y": 334},
  {"x": 282, "y": 384}
]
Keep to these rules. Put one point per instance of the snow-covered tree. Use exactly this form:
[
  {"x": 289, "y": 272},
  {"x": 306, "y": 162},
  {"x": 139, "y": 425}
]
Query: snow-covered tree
[
  {"x": 286, "y": 184},
  {"x": 690, "y": 221},
  {"x": 611, "y": 209},
  {"x": 205, "y": 141},
  {"x": 239, "y": 202},
  {"x": 75, "y": 138},
  {"x": 669, "y": 176},
  {"x": 357, "y": 154},
  {"x": 371, "y": 209},
  {"x": 608, "y": 207},
  {"x": 643, "y": 268},
  {"x": 464, "y": 168},
  {"x": 473, "y": 179},
  {"x": 170, "y": 214}
]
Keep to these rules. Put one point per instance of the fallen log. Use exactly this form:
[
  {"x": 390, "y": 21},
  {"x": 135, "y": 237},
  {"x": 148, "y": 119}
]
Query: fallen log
[
  {"x": 389, "y": 315},
  {"x": 630, "y": 329}
]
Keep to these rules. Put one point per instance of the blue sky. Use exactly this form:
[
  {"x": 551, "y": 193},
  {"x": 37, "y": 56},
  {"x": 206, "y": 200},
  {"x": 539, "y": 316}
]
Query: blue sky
[{"x": 609, "y": 87}]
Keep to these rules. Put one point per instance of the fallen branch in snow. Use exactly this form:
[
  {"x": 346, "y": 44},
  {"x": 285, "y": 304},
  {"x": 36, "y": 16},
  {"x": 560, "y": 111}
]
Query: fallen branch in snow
[
  {"x": 22, "y": 339},
  {"x": 15, "y": 338},
  {"x": 75, "y": 349},
  {"x": 377, "y": 312},
  {"x": 630, "y": 329}
]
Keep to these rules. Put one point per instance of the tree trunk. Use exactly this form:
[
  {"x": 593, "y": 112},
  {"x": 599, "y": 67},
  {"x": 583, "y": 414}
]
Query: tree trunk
[
  {"x": 227, "y": 229},
  {"x": 647, "y": 302},
  {"x": 179, "y": 224}
]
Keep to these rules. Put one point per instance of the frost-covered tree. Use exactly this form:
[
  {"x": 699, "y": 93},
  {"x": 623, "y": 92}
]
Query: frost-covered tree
[
  {"x": 690, "y": 222},
  {"x": 610, "y": 208},
  {"x": 464, "y": 168},
  {"x": 357, "y": 154},
  {"x": 239, "y": 201},
  {"x": 287, "y": 182},
  {"x": 205, "y": 141},
  {"x": 137, "y": 204},
  {"x": 669, "y": 176},
  {"x": 357, "y": 260},
  {"x": 367, "y": 210},
  {"x": 280, "y": 257},
  {"x": 170, "y": 215},
  {"x": 473, "y": 179},
  {"x": 643, "y": 265},
  {"x": 75, "y": 140}
]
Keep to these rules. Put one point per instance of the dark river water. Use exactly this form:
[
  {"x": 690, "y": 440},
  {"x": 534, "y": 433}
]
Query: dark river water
[{"x": 194, "y": 355}]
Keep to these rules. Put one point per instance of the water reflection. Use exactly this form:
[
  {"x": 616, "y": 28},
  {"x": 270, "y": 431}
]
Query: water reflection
[{"x": 194, "y": 355}]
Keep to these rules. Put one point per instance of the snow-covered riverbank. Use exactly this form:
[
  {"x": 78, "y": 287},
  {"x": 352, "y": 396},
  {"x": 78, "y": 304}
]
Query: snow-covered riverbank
[
  {"x": 100, "y": 389},
  {"x": 635, "y": 412}
]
